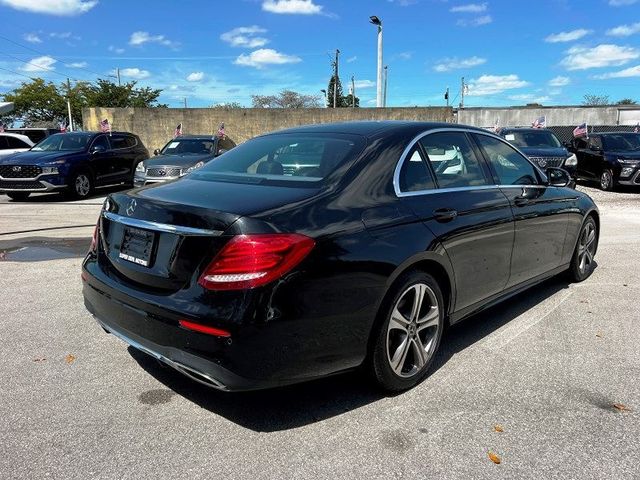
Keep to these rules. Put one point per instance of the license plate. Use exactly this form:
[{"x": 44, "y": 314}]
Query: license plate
[{"x": 137, "y": 246}]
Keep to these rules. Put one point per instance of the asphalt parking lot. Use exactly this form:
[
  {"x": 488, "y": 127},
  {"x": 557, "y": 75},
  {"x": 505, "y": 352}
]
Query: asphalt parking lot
[{"x": 548, "y": 382}]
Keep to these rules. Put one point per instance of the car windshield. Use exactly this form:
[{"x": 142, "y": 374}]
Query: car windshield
[
  {"x": 535, "y": 138},
  {"x": 622, "y": 142},
  {"x": 64, "y": 142},
  {"x": 302, "y": 157},
  {"x": 188, "y": 147}
]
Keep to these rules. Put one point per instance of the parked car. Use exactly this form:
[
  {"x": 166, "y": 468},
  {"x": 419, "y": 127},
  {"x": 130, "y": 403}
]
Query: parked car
[
  {"x": 243, "y": 275},
  {"x": 14, "y": 143},
  {"x": 542, "y": 147},
  {"x": 35, "y": 134},
  {"x": 609, "y": 158},
  {"x": 73, "y": 163},
  {"x": 179, "y": 157}
]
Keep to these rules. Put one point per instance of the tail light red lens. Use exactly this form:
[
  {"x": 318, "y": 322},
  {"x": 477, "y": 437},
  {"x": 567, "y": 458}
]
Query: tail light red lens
[
  {"x": 198, "y": 327},
  {"x": 250, "y": 261}
]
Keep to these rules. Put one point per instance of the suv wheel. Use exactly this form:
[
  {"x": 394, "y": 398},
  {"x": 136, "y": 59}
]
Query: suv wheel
[
  {"x": 606, "y": 180},
  {"x": 81, "y": 185}
]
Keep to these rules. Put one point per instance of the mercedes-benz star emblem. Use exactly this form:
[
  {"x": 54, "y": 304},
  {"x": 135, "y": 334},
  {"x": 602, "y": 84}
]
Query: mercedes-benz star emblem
[
  {"x": 132, "y": 207},
  {"x": 17, "y": 168}
]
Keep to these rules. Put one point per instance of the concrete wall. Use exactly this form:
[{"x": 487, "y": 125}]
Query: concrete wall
[
  {"x": 156, "y": 126},
  {"x": 559, "y": 116}
]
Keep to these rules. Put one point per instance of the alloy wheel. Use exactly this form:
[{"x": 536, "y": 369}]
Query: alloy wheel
[
  {"x": 605, "y": 180},
  {"x": 413, "y": 330},
  {"x": 586, "y": 247},
  {"x": 82, "y": 185}
]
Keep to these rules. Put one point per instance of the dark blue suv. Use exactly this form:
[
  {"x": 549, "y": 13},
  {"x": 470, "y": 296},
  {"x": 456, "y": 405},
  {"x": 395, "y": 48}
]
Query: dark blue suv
[{"x": 72, "y": 163}]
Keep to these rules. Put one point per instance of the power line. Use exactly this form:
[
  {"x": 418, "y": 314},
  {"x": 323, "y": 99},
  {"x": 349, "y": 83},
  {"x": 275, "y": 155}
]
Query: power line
[
  {"x": 40, "y": 68},
  {"x": 16, "y": 73}
]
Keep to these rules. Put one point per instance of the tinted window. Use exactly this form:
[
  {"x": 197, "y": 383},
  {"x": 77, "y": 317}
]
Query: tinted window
[
  {"x": 453, "y": 160},
  {"x": 284, "y": 157},
  {"x": 16, "y": 143},
  {"x": 3, "y": 143},
  {"x": 622, "y": 142},
  {"x": 102, "y": 141},
  {"x": 595, "y": 143},
  {"x": 64, "y": 142},
  {"x": 532, "y": 138},
  {"x": 507, "y": 164},
  {"x": 414, "y": 175},
  {"x": 118, "y": 141},
  {"x": 131, "y": 141},
  {"x": 579, "y": 143},
  {"x": 192, "y": 146}
]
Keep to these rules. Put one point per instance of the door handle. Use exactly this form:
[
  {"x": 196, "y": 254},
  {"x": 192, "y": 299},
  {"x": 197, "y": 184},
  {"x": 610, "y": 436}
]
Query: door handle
[
  {"x": 521, "y": 201},
  {"x": 445, "y": 214}
]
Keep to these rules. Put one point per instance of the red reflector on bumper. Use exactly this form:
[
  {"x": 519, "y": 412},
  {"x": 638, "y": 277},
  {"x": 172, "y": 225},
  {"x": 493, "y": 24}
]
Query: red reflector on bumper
[{"x": 196, "y": 327}]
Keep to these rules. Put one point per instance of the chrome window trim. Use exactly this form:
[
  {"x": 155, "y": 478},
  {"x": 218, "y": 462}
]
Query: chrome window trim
[
  {"x": 417, "y": 138},
  {"x": 160, "y": 227}
]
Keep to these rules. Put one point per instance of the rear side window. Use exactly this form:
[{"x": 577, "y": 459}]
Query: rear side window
[
  {"x": 509, "y": 167},
  {"x": 118, "y": 141},
  {"x": 285, "y": 157},
  {"x": 3, "y": 143},
  {"x": 16, "y": 143},
  {"x": 453, "y": 160},
  {"x": 130, "y": 141},
  {"x": 414, "y": 175}
]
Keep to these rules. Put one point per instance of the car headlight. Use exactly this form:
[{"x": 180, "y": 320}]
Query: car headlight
[
  {"x": 626, "y": 171},
  {"x": 572, "y": 161},
  {"x": 50, "y": 170},
  {"x": 197, "y": 165},
  {"x": 140, "y": 167},
  {"x": 628, "y": 163}
]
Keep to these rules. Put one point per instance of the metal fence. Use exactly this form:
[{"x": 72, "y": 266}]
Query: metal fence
[{"x": 565, "y": 133}]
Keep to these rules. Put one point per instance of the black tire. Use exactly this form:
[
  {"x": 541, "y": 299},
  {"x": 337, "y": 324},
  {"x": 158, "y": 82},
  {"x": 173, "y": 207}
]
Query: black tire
[
  {"x": 607, "y": 182},
  {"x": 395, "y": 361},
  {"x": 81, "y": 185},
  {"x": 582, "y": 262},
  {"x": 18, "y": 196}
]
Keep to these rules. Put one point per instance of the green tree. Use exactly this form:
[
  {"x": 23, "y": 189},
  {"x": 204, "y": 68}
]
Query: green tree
[
  {"x": 37, "y": 102},
  {"x": 340, "y": 101},
  {"x": 105, "y": 93},
  {"x": 348, "y": 100},
  {"x": 225, "y": 106},
  {"x": 626, "y": 101},
  {"x": 286, "y": 99},
  {"x": 596, "y": 100}
]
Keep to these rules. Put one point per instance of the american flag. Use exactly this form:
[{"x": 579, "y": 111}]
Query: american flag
[
  {"x": 105, "y": 126},
  {"x": 540, "y": 122},
  {"x": 637, "y": 129},
  {"x": 2, "y": 127},
  {"x": 178, "y": 131},
  {"x": 63, "y": 127},
  {"x": 221, "y": 133},
  {"x": 580, "y": 130}
]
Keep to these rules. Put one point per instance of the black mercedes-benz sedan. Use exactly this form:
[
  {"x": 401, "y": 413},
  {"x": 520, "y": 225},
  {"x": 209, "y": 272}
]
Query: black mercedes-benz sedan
[{"x": 247, "y": 275}]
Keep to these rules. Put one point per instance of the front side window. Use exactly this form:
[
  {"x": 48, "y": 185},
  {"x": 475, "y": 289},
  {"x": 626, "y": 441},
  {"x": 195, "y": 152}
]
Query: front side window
[
  {"x": 595, "y": 143},
  {"x": 102, "y": 141},
  {"x": 453, "y": 160},
  {"x": 302, "y": 157},
  {"x": 509, "y": 167},
  {"x": 414, "y": 175},
  {"x": 64, "y": 142}
]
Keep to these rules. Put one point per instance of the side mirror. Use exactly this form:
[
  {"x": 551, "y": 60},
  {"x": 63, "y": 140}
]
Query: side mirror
[
  {"x": 156, "y": 152},
  {"x": 98, "y": 149},
  {"x": 566, "y": 144},
  {"x": 558, "y": 177}
]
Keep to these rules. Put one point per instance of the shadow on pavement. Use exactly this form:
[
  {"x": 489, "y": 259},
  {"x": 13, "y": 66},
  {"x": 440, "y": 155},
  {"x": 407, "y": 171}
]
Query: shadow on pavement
[
  {"x": 57, "y": 197},
  {"x": 303, "y": 404}
]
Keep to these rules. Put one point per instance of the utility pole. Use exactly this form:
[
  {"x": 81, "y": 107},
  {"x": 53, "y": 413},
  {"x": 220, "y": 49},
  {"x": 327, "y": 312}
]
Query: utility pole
[
  {"x": 118, "y": 75},
  {"x": 378, "y": 23},
  {"x": 353, "y": 92},
  {"x": 335, "y": 80},
  {"x": 446, "y": 96},
  {"x": 185, "y": 102},
  {"x": 462, "y": 93},
  {"x": 386, "y": 77},
  {"x": 69, "y": 104}
]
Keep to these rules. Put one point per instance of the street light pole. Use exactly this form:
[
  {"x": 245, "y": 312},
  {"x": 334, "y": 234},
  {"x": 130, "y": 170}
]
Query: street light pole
[
  {"x": 376, "y": 21},
  {"x": 386, "y": 78}
]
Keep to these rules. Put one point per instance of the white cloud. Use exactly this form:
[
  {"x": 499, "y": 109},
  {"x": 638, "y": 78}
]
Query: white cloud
[
  {"x": 301, "y": 7},
  {"x": 449, "y": 64},
  {"x": 621, "y": 3},
  {"x": 32, "y": 38},
  {"x": 624, "y": 30},
  {"x": 571, "y": 36},
  {"x": 195, "y": 77},
  {"x": 140, "y": 38},
  {"x": 265, "y": 56},
  {"x": 360, "y": 84},
  {"x": 60, "y": 34},
  {"x": 39, "y": 64},
  {"x": 469, "y": 8},
  {"x": 530, "y": 98},
  {"x": 404, "y": 55},
  {"x": 626, "y": 73},
  {"x": 245, "y": 37},
  {"x": 77, "y": 65},
  {"x": 135, "y": 73},
  {"x": 559, "y": 81},
  {"x": 493, "y": 84},
  {"x": 605, "y": 55},
  {"x": 57, "y": 7},
  {"x": 352, "y": 59},
  {"x": 475, "y": 22},
  {"x": 115, "y": 49}
]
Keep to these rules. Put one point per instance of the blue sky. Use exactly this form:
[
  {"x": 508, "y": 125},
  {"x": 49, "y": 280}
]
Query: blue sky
[{"x": 216, "y": 51}]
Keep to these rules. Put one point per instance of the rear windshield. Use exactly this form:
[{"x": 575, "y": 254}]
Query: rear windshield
[
  {"x": 538, "y": 138},
  {"x": 287, "y": 157},
  {"x": 622, "y": 142}
]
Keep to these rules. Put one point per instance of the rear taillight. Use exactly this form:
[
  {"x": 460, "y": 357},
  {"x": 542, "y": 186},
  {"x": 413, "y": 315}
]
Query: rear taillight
[
  {"x": 94, "y": 239},
  {"x": 249, "y": 261},
  {"x": 198, "y": 327}
]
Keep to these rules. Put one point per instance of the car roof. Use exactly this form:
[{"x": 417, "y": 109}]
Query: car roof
[
  {"x": 196, "y": 137},
  {"x": 24, "y": 138},
  {"x": 373, "y": 128},
  {"x": 523, "y": 129},
  {"x": 604, "y": 134}
]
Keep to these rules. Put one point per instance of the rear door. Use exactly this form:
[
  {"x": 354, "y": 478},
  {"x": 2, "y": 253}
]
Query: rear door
[
  {"x": 541, "y": 212},
  {"x": 445, "y": 182},
  {"x": 101, "y": 161},
  {"x": 123, "y": 157}
]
